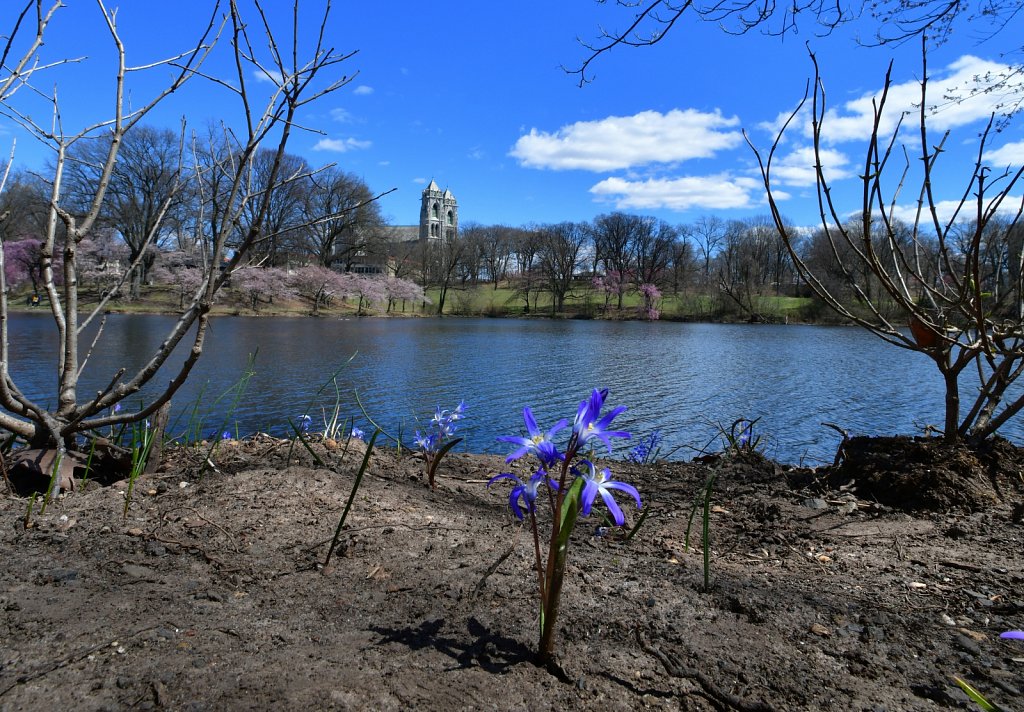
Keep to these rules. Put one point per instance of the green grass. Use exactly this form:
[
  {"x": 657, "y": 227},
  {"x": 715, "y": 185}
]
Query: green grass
[{"x": 473, "y": 300}]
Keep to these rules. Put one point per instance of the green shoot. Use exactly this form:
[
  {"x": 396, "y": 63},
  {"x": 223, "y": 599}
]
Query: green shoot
[
  {"x": 977, "y": 697},
  {"x": 351, "y": 496},
  {"x": 142, "y": 441},
  {"x": 305, "y": 443}
]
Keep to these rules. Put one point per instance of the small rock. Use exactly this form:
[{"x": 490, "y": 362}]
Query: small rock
[
  {"x": 873, "y": 632},
  {"x": 815, "y": 503},
  {"x": 139, "y": 572},
  {"x": 967, "y": 645},
  {"x": 61, "y": 575},
  {"x": 819, "y": 629}
]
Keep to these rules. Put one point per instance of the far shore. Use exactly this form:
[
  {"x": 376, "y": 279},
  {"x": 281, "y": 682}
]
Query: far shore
[{"x": 479, "y": 301}]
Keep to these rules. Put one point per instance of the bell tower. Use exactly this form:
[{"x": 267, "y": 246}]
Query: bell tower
[{"x": 439, "y": 214}]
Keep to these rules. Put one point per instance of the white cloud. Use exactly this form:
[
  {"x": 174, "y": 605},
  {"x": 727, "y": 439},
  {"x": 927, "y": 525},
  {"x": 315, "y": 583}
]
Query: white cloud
[
  {"x": 718, "y": 192},
  {"x": 968, "y": 90},
  {"x": 362, "y": 90},
  {"x": 267, "y": 77},
  {"x": 341, "y": 145},
  {"x": 1012, "y": 154},
  {"x": 342, "y": 116},
  {"x": 797, "y": 168},
  {"x": 946, "y": 209},
  {"x": 620, "y": 142}
]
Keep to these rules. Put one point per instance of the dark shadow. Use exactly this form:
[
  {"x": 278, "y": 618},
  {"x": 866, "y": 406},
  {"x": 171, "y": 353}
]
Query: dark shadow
[{"x": 492, "y": 652}]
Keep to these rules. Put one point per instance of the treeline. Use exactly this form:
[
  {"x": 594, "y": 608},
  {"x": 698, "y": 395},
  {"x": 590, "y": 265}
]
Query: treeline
[
  {"x": 325, "y": 238},
  {"x": 167, "y": 200}
]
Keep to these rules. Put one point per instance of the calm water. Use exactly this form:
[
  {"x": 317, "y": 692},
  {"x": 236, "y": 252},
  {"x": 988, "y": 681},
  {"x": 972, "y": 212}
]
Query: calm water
[{"x": 682, "y": 379}]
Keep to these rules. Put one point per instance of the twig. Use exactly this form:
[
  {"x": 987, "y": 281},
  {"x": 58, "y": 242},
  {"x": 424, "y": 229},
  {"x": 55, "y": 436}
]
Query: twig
[
  {"x": 63, "y": 662},
  {"x": 494, "y": 567},
  {"x": 723, "y": 699}
]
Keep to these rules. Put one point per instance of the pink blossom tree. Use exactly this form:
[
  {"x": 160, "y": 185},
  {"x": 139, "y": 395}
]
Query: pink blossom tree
[
  {"x": 611, "y": 284},
  {"x": 370, "y": 290},
  {"x": 651, "y": 296},
  {"x": 262, "y": 284},
  {"x": 22, "y": 263},
  {"x": 403, "y": 290},
  {"x": 318, "y": 284}
]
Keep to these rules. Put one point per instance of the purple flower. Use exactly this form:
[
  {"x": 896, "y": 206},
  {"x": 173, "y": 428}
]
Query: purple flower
[
  {"x": 426, "y": 442},
  {"x": 589, "y": 424},
  {"x": 226, "y": 435},
  {"x": 538, "y": 443},
  {"x": 525, "y": 491},
  {"x": 595, "y": 483},
  {"x": 357, "y": 433},
  {"x": 304, "y": 422},
  {"x": 1013, "y": 634}
]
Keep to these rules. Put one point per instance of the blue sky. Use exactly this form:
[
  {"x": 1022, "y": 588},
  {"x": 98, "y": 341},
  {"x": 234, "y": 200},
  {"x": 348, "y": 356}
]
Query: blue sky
[{"x": 475, "y": 96}]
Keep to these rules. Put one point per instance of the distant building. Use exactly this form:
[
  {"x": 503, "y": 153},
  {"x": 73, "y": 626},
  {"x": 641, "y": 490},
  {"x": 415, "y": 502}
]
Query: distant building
[
  {"x": 439, "y": 214},
  {"x": 439, "y": 217}
]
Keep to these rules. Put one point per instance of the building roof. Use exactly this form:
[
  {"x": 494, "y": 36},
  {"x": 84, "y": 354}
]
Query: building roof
[{"x": 402, "y": 233}]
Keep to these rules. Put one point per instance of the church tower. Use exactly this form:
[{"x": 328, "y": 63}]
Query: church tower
[{"x": 439, "y": 214}]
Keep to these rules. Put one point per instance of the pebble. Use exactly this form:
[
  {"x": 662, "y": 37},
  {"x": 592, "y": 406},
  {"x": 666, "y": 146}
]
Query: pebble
[
  {"x": 61, "y": 575},
  {"x": 815, "y": 503},
  {"x": 967, "y": 645}
]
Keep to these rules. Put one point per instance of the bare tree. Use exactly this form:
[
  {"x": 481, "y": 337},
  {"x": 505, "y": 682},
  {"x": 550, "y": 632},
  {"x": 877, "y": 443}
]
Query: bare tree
[
  {"x": 649, "y": 22},
  {"x": 441, "y": 259},
  {"x": 525, "y": 249},
  {"x": 683, "y": 262},
  {"x": 933, "y": 274},
  {"x": 294, "y": 64},
  {"x": 343, "y": 218},
  {"x": 652, "y": 251},
  {"x": 496, "y": 252},
  {"x": 559, "y": 258},
  {"x": 708, "y": 232},
  {"x": 614, "y": 237},
  {"x": 282, "y": 182},
  {"x": 143, "y": 189}
]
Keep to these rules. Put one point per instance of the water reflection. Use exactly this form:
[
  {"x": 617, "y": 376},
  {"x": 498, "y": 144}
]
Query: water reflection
[{"x": 683, "y": 379}]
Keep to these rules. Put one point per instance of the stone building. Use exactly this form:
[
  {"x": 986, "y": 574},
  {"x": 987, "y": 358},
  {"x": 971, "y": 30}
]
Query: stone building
[{"x": 439, "y": 213}]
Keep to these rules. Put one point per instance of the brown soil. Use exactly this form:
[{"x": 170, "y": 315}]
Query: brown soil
[{"x": 867, "y": 586}]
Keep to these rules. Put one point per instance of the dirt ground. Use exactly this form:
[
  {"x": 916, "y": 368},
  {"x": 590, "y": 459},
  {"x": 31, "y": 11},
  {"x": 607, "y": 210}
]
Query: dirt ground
[{"x": 865, "y": 586}]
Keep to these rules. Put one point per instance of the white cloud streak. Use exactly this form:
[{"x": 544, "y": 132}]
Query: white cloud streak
[
  {"x": 341, "y": 145},
  {"x": 968, "y": 90},
  {"x": 797, "y": 168},
  {"x": 619, "y": 142},
  {"x": 1011, "y": 154},
  {"x": 720, "y": 192}
]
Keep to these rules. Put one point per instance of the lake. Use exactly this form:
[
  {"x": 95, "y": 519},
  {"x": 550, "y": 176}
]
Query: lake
[{"x": 685, "y": 380}]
